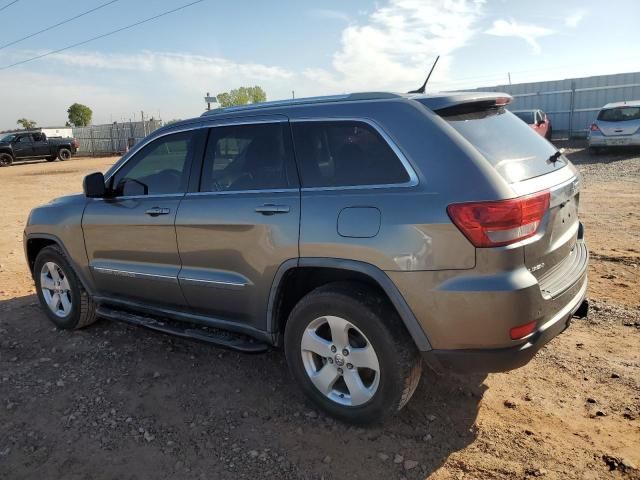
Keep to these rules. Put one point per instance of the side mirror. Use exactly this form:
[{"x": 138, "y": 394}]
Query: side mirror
[{"x": 93, "y": 185}]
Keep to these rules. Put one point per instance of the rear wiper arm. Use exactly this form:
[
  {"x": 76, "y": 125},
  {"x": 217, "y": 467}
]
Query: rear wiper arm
[{"x": 555, "y": 156}]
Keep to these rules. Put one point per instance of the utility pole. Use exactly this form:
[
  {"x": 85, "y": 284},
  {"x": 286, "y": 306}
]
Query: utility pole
[
  {"x": 509, "y": 75},
  {"x": 293, "y": 94},
  {"x": 208, "y": 98}
]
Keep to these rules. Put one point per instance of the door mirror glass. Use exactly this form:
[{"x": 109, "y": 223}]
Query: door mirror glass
[{"x": 93, "y": 185}]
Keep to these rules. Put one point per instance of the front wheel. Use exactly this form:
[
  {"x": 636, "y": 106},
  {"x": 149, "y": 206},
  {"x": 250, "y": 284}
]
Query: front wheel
[
  {"x": 350, "y": 353},
  {"x": 61, "y": 295},
  {"x": 5, "y": 160},
  {"x": 64, "y": 154}
]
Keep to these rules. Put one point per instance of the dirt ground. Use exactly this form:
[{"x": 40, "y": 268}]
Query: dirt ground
[{"x": 114, "y": 401}]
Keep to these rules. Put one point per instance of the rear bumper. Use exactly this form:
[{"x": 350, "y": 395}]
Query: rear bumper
[
  {"x": 600, "y": 140},
  {"x": 504, "y": 359}
]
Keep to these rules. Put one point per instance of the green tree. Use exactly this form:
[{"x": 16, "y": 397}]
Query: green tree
[
  {"x": 26, "y": 123},
  {"x": 241, "y": 96},
  {"x": 79, "y": 115}
]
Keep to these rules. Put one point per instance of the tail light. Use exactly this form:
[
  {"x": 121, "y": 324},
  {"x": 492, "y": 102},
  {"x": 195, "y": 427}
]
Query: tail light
[
  {"x": 594, "y": 128},
  {"x": 502, "y": 222}
]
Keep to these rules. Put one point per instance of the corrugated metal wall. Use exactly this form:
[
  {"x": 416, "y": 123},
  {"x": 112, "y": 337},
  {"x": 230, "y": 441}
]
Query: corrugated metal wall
[
  {"x": 112, "y": 138},
  {"x": 573, "y": 103}
]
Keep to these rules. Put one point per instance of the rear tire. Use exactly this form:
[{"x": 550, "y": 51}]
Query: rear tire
[
  {"x": 386, "y": 365},
  {"x": 596, "y": 150},
  {"x": 61, "y": 295},
  {"x": 5, "y": 160},
  {"x": 64, "y": 154}
]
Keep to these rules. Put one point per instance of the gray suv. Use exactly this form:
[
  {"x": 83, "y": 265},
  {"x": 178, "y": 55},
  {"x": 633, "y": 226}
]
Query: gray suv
[{"x": 361, "y": 233}]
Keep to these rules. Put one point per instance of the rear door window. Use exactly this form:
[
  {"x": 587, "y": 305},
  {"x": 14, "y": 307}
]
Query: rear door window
[
  {"x": 514, "y": 149},
  {"x": 345, "y": 153}
]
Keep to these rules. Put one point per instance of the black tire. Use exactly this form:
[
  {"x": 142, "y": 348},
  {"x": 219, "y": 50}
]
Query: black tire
[
  {"x": 399, "y": 360},
  {"x": 64, "y": 154},
  {"x": 595, "y": 150},
  {"x": 83, "y": 308},
  {"x": 5, "y": 160}
]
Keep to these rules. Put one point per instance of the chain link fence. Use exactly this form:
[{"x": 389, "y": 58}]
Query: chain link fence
[{"x": 112, "y": 139}]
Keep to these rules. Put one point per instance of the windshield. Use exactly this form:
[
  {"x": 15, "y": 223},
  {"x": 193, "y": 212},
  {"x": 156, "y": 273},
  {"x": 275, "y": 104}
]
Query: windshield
[
  {"x": 514, "y": 149},
  {"x": 619, "y": 114},
  {"x": 526, "y": 117},
  {"x": 7, "y": 138}
]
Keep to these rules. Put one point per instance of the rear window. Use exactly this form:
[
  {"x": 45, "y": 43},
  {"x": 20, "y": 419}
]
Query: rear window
[
  {"x": 619, "y": 114},
  {"x": 526, "y": 117},
  {"x": 514, "y": 149}
]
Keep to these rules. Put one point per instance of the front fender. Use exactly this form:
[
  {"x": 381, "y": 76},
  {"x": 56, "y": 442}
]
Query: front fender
[{"x": 61, "y": 222}]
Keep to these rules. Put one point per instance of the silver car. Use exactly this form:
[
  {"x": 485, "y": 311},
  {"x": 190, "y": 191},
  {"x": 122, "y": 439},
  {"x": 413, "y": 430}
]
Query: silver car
[
  {"x": 617, "y": 125},
  {"x": 361, "y": 233}
]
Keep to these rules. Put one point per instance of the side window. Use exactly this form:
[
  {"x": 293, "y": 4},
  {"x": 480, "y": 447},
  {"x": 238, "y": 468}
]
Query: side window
[
  {"x": 348, "y": 153},
  {"x": 248, "y": 157},
  {"x": 162, "y": 167},
  {"x": 25, "y": 139}
]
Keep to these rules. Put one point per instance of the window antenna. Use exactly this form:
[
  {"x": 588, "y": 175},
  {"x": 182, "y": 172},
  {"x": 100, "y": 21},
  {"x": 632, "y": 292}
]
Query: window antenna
[{"x": 421, "y": 89}]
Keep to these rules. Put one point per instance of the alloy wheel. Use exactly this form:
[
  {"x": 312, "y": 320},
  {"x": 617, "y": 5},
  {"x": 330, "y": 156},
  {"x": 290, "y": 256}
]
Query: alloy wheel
[
  {"x": 56, "y": 290},
  {"x": 340, "y": 361}
]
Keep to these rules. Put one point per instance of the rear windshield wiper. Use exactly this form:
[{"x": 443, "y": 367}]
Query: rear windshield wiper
[{"x": 555, "y": 156}]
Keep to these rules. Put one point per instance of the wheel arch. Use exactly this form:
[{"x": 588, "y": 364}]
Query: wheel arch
[
  {"x": 297, "y": 277},
  {"x": 35, "y": 242}
]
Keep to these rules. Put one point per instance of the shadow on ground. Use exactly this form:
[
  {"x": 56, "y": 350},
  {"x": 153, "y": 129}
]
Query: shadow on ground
[{"x": 117, "y": 401}]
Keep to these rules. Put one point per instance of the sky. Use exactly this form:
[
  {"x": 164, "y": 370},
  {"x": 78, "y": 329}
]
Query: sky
[{"x": 166, "y": 66}]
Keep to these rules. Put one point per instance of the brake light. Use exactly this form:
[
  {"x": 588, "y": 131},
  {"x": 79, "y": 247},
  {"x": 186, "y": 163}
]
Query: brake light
[
  {"x": 522, "y": 331},
  {"x": 502, "y": 222},
  {"x": 594, "y": 128}
]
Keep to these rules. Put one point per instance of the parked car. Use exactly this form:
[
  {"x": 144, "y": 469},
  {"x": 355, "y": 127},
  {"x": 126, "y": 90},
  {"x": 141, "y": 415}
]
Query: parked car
[
  {"x": 617, "y": 125},
  {"x": 34, "y": 145},
  {"x": 537, "y": 120},
  {"x": 361, "y": 233}
]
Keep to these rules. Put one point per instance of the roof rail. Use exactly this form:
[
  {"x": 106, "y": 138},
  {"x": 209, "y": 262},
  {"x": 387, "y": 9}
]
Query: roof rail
[{"x": 305, "y": 101}]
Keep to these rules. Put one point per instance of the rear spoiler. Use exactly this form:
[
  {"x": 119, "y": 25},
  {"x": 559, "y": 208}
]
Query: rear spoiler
[{"x": 445, "y": 104}]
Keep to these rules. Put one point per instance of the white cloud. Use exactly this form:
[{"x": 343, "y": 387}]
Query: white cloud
[
  {"x": 574, "y": 19},
  {"x": 329, "y": 14},
  {"x": 529, "y": 33},
  {"x": 390, "y": 48},
  {"x": 397, "y": 45},
  {"x": 45, "y": 99}
]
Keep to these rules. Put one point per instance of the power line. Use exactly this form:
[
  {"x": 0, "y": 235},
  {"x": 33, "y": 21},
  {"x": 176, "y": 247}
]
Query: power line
[
  {"x": 9, "y": 4},
  {"x": 57, "y": 24},
  {"x": 102, "y": 36}
]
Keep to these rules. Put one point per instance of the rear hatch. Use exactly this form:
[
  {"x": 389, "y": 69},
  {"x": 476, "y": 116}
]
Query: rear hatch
[
  {"x": 624, "y": 120},
  {"x": 530, "y": 164}
]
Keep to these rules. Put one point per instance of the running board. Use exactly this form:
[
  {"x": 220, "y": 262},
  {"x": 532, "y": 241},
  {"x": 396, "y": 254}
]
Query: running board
[{"x": 221, "y": 338}]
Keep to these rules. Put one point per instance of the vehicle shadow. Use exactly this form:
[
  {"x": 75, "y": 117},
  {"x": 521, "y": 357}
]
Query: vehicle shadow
[
  {"x": 118, "y": 401},
  {"x": 579, "y": 154}
]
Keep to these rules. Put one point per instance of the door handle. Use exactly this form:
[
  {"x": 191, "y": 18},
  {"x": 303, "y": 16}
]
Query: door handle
[
  {"x": 272, "y": 209},
  {"x": 155, "y": 211}
]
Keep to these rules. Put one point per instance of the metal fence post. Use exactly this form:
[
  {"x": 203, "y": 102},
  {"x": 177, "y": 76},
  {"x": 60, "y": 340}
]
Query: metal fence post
[
  {"x": 93, "y": 147},
  {"x": 572, "y": 106}
]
